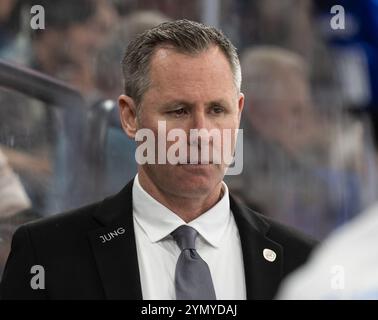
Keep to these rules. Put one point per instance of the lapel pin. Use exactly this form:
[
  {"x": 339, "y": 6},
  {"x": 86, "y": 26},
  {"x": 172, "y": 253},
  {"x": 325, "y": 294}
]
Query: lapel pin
[
  {"x": 111, "y": 235},
  {"x": 269, "y": 255}
]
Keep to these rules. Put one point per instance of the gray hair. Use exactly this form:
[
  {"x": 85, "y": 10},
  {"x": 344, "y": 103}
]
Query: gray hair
[{"x": 183, "y": 35}]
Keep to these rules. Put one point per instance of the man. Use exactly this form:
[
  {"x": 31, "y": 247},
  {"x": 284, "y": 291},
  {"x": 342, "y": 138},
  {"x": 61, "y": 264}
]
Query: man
[
  {"x": 174, "y": 232},
  {"x": 345, "y": 265}
]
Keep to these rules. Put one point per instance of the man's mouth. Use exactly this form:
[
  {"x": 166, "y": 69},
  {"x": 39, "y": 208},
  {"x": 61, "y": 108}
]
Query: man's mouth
[{"x": 196, "y": 163}]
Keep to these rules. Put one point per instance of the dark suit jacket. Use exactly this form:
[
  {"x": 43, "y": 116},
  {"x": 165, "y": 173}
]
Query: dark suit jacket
[{"x": 78, "y": 264}]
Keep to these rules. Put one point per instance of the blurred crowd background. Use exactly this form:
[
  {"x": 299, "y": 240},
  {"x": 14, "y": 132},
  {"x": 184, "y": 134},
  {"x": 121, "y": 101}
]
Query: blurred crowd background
[{"x": 309, "y": 158}]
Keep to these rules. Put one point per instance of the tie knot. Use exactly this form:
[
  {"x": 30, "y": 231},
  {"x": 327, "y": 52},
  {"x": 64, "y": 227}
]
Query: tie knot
[{"x": 185, "y": 237}]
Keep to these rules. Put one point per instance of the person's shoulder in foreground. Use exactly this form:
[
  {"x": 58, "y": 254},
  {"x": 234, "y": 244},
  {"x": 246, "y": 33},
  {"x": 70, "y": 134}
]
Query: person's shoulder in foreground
[
  {"x": 343, "y": 267},
  {"x": 90, "y": 253}
]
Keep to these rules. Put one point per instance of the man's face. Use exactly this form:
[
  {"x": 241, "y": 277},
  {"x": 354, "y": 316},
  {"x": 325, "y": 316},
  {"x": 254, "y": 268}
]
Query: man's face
[{"x": 189, "y": 92}]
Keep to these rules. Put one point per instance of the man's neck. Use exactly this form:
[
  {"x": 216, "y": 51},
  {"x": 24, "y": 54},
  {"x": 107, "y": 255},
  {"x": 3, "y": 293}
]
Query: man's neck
[{"x": 187, "y": 208}]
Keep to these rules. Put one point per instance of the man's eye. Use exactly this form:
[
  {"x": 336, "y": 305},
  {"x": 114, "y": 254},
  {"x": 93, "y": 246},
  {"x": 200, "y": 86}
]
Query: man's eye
[
  {"x": 217, "y": 109},
  {"x": 178, "y": 112}
]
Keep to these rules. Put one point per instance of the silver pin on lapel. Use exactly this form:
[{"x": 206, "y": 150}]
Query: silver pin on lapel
[{"x": 269, "y": 255}]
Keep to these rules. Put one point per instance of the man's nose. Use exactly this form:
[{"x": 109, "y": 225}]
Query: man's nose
[
  {"x": 199, "y": 129},
  {"x": 199, "y": 120}
]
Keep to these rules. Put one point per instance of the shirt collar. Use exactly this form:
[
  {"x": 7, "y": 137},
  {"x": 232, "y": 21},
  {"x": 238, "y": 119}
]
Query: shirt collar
[{"x": 157, "y": 221}]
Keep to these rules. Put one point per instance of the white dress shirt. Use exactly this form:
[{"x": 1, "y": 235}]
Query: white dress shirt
[{"x": 218, "y": 243}]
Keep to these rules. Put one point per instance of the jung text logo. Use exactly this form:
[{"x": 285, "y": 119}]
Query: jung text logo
[
  {"x": 111, "y": 235},
  {"x": 198, "y": 147}
]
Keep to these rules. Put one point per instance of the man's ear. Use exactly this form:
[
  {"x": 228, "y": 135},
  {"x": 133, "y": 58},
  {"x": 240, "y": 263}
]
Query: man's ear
[
  {"x": 128, "y": 115},
  {"x": 240, "y": 104}
]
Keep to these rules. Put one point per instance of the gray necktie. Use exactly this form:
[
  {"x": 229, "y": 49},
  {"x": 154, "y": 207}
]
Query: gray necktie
[{"x": 192, "y": 276}]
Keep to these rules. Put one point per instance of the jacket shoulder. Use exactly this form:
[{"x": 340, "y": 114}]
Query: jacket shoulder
[
  {"x": 280, "y": 232},
  {"x": 290, "y": 235},
  {"x": 70, "y": 219},
  {"x": 48, "y": 243},
  {"x": 297, "y": 246}
]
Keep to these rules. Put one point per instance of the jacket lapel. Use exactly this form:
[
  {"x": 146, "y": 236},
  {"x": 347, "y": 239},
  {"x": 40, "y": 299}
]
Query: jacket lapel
[
  {"x": 114, "y": 247},
  {"x": 262, "y": 275}
]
